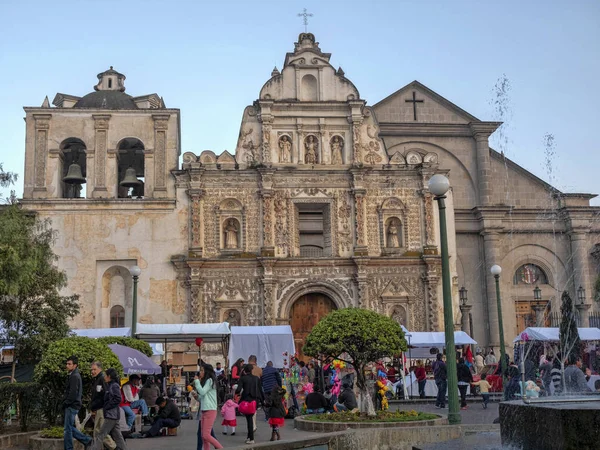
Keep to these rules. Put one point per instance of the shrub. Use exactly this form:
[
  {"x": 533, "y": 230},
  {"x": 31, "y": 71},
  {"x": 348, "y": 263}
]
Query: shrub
[
  {"x": 26, "y": 396},
  {"x": 53, "y": 433},
  {"x": 382, "y": 416},
  {"x": 52, "y": 374}
]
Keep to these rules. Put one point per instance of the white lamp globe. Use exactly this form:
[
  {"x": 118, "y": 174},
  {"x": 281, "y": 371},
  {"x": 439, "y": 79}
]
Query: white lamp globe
[
  {"x": 496, "y": 270},
  {"x": 135, "y": 271},
  {"x": 438, "y": 185}
]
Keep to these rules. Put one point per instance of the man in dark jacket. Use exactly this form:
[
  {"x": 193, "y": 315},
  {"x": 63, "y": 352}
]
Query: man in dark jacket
[
  {"x": 346, "y": 400},
  {"x": 168, "y": 416},
  {"x": 112, "y": 413},
  {"x": 97, "y": 402},
  {"x": 72, "y": 405},
  {"x": 269, "y": 379},
  {"x": 440, "y": 375}
]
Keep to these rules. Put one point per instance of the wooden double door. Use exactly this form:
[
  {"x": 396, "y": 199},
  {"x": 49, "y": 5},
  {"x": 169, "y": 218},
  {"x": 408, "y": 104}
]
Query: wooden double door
[{"x": 306, "y": 312}]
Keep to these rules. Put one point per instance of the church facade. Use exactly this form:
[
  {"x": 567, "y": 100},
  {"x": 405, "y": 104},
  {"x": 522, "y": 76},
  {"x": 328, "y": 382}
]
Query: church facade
[{"x": 323, "y": 205}]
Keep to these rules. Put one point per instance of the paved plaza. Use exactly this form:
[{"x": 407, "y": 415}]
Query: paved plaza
[{"x": 187, "y": 438}]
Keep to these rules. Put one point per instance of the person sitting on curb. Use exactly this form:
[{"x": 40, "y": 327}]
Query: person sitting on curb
[
  {"x": 131, "y": 399},
  {"x": 168, "y": 416},
  {"x": 315, "y": 402},
  {"x": 346, "y": 400}
]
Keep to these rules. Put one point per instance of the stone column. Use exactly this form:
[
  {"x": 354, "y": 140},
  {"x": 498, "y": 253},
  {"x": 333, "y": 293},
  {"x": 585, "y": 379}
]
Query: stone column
[
  {"x": 492, "y": 256},
  {"x": 298, "y": 153},
  {"x": 161, "y": 125},
  {"x": 481, "y": 132},
  {"x": 539, "y": 314},
  {"x": 195, "y": 221},
  {"x": 196, "y": 302},
  {"x": 42, "y": 125},
  {"x": 100, "y": 154},
  {"x": 464, "y": 319},
  {"x": 584, "y": 317},
  {"x": 579, "y": 258}
]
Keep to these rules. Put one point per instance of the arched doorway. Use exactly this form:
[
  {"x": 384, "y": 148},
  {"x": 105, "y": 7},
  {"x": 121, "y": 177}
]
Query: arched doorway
[{"x": 306, "y": 312}]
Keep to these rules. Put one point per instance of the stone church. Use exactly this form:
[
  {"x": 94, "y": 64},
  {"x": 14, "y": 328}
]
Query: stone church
[{"x": 323, "y": 204}]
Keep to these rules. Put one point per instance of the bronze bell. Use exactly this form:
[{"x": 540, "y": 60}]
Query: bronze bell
[
  {"x": 130, "y": 180},
  {"x": 74, "y": 175}
]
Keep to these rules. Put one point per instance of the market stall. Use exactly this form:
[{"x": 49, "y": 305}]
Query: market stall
[
  {"x": 268, "y": 343},
  {"x": 424, "y": 345},
  {"x": 550, "y": 338}
]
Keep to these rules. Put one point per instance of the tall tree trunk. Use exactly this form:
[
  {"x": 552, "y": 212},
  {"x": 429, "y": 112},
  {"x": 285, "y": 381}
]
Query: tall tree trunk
[{"x": 364, "y": 398}]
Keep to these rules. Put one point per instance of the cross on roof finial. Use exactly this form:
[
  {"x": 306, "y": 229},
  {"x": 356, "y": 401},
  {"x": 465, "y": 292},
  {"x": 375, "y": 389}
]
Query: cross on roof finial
[{"x": 305, "y": 16}]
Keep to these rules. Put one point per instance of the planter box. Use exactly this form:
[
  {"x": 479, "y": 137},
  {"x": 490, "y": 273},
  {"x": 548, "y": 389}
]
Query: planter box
[
  {"x": 38, "y": 443},
  {"x": 16, "y": 439}
]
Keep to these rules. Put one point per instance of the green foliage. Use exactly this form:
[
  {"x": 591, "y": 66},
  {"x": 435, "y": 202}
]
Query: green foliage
[
  {"x": 381, "y": 416},
  {"x": 137, "y": 344},
  {"x": 570, "y": 344},
  {"x": 6, "y": 178},
  {"x": 51, "y": 370},
  {"x": 53, "y": 433},
  {"x": 32, "y": 312},
  {"x": 597, "y": 289},
  {"x": 364, "y": 335},
  {"x": 27, "y": 396}
]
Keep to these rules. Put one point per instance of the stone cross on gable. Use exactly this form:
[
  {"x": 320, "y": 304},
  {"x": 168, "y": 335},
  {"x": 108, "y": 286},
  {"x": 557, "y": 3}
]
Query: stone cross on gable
[
  {"x": 414, "y": 101},
  {"x": 305, "y": 16}
]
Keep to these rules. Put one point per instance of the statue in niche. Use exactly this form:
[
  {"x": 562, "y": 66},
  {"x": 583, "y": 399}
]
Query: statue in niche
[
  {"x": 311, "y": 145},
  {"x": 285, "y": 149},
  {"x": 337, "y": 144},
  {"x": 231, "y": 234},
  {"x": 393, "y": 230},
  {"x": 233, "y": 318},
  {"x": 399, "y": 315}
]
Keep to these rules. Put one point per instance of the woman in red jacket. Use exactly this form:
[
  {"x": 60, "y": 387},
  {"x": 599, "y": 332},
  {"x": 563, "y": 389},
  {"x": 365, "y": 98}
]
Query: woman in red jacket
[
  {"x": 236, "y": 371},
  {"x": 421, "y": 378}
]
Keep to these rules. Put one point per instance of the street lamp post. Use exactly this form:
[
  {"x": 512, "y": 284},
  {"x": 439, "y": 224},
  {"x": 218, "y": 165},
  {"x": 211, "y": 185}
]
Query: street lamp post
[
  {"x": 496, "y": 270},
  {"x": 438, "y": 186},
  {"x": 135, "y": 272}
]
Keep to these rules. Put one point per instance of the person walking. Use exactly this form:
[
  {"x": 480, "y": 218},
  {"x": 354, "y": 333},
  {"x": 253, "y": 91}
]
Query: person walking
[
  {"x": 546, "y": 373},
  {"x": 72, "y": 405},
  {"x": 575, "y": 382},
  {"x": 236, "y": 371},
  {"x": 269, "y": 379},
  {"x": 228, "y": 414},
  {"x": 484, "y": 389},
  {"x": 479, "y": 363},
  {"x": 421, "y": 378},
  {"x": 276, "y": 411},
  {"x": 490, "y": 358},
  {"x": 440, "y": 376},
  {"x": 97, "y": 402},
  {"x": 112, "y": 413},
  {"x": 251, "y": 393},
  {"x": 206, "y": 387},
  {"x": 464, "y": 379}
]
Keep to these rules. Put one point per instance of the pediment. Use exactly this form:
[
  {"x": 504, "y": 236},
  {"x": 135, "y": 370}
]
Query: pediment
[
  {"x": 226, "y": 158},
  {"x": 395, "y": 290},
  {"x": 430, "y": 107}
]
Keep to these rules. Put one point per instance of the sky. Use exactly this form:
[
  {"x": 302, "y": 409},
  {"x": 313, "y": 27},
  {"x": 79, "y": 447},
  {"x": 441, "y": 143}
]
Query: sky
[{"x": 210, "y": 60}]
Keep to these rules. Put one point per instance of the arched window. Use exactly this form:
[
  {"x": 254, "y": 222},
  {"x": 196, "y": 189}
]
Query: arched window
[
  {"x": 530, "y": 274},
  {"x": 131, "y": 156},
  {"x": 73, "y": 155},
  {"x": 117, "y": 316}
]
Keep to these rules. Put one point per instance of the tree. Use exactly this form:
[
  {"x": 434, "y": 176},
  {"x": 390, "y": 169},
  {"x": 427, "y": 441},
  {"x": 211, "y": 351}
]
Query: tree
[
  {"x": 32, "y": 311},
  {"x": 51, "y": 371},
  {"x": 363, "y": 335},
  {"x": 570, "y": 344},
  {"x": 6, "y": 178},
  {"x": 136, "y": 344}
]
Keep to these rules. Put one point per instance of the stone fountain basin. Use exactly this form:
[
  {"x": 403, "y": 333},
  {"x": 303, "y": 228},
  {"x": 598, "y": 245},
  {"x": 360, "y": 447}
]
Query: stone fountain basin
[{"x": 550, "y": 426}]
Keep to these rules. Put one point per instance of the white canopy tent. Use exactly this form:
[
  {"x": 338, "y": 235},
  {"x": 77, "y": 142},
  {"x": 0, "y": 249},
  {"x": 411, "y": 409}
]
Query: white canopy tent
[
  {"x": 420, "y": 342},
  {"x": 553, "y": 334},
  {"x": 268, "y": 343},
  {"x": 211, "y": 333},
  {"x": 157, "y": 349}
]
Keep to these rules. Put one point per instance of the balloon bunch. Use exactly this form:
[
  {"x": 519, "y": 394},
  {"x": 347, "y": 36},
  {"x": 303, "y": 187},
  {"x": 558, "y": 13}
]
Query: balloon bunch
[
  {"x": 339, "y": 365},
  {"x": 382, "y": 389}
]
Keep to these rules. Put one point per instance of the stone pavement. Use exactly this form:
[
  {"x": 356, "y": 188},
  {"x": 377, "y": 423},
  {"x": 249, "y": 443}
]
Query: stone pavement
[{"x": 187, "y": 437}]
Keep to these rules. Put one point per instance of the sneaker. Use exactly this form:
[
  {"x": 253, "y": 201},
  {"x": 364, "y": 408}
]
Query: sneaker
[
  {"x": 225, "y": 433},
  {"x": 438, "y": 406},
  {"x": 249, "y": 441},
  {"x": 463, "y": 408}
]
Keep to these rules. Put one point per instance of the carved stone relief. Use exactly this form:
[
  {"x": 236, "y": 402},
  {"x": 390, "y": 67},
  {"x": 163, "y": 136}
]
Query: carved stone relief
[
  {"x": 311, "y": 146},
  {"x": 285, "y": 149}
]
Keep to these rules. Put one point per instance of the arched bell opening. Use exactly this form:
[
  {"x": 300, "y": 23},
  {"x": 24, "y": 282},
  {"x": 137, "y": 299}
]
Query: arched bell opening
[
  {"x": 131, "y": 168},
  {"x": 74, "y": 168}
]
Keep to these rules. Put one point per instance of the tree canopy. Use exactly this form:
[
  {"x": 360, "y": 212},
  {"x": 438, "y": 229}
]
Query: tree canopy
[
  {"x": 364, "y": 335},
  {"x": 32, "y": 311},
  {"x": 570, "y": 344}
]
